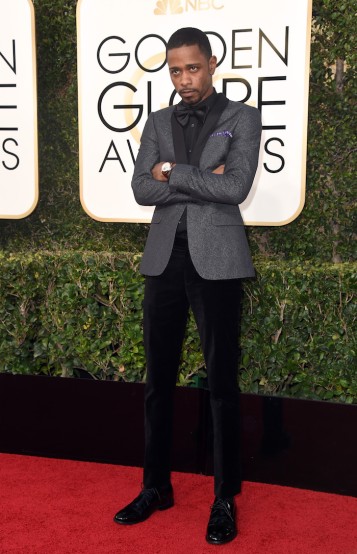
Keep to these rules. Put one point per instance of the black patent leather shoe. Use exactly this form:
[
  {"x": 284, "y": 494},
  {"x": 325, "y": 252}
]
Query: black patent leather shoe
[
  {"x": 222, "y": 522},
  {"x": 146, "y": 503}
]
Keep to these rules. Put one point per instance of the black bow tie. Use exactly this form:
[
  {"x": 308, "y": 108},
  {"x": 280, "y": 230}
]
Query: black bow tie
[{"x": 183, "y": 114}]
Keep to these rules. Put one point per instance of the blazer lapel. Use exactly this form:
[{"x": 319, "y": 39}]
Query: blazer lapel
[{"x": 209, "y": 126}]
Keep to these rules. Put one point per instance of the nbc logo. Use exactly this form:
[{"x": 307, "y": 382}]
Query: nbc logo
[{"x": 162, "y": 7}]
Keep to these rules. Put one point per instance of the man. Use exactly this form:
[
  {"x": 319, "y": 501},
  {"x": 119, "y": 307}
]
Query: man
[{"x": 196, "y": 163}]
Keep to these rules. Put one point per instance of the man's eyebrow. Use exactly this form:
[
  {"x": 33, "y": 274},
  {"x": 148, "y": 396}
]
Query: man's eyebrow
[{"x": 186, "y": 65}]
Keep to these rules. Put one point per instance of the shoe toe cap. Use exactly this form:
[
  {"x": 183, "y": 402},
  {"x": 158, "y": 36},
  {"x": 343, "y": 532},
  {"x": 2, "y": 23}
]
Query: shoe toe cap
[{"x": 220, "y": 535}]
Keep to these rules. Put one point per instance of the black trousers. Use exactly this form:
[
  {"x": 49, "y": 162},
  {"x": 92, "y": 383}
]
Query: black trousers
[{"x": 216, "y": 308}]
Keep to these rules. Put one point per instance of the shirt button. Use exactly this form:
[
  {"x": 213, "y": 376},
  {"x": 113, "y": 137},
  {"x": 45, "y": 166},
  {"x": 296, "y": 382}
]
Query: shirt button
[{"x": 192, "y": 124}]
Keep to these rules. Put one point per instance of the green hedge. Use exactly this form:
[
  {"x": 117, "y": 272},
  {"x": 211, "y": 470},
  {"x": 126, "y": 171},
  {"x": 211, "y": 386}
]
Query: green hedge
[{"x": 74, "y": 313}]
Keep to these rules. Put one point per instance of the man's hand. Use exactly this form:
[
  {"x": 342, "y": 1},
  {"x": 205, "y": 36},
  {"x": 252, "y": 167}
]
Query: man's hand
[
  {"x": 156, "y": 172},
  {"x": 219, "y": 170}
]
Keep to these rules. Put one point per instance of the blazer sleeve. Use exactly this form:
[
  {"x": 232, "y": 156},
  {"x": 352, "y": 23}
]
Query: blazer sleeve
[
  {"x": 148, "y": 191},
  {"x": 240, "y": 166}
]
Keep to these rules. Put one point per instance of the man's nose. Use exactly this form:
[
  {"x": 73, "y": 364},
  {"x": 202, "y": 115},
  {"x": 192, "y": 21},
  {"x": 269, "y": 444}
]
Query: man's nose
[{"x": 185, "y": 78}]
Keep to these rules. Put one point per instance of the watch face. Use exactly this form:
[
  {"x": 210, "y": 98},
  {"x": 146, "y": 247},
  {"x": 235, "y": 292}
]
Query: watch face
[{"x": 166, "y": 167}]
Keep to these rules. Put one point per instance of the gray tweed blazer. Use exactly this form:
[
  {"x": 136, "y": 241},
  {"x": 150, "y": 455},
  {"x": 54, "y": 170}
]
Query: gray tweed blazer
[{"x": 215, "y": 229}]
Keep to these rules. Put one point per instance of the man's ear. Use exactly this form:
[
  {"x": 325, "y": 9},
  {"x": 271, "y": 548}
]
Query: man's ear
[{"x": 212, "y": 64}]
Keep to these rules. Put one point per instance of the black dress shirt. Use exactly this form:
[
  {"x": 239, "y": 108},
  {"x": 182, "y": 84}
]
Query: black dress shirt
[{"x": 191, "y": 133}]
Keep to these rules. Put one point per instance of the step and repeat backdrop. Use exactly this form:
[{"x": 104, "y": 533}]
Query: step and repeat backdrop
[
  {"x": 18, "y": 110},
  {"x": 263, "y": 50}
]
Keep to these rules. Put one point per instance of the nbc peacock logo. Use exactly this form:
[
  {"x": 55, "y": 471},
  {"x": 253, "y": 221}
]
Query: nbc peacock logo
[{"x": 168, "y": 6}]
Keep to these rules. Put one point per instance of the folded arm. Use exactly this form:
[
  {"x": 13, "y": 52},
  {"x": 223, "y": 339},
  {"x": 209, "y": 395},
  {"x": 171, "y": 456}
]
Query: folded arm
[
  {"x": 147, "y": 190},
  {"x": 233, "y": 186}
]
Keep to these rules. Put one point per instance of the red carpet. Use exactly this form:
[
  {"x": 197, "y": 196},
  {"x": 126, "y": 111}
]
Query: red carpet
[{"x": 60, "y": 506}]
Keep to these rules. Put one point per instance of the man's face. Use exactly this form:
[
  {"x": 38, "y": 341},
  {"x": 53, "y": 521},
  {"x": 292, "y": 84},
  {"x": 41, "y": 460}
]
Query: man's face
[{"x": 191, "y": 73}]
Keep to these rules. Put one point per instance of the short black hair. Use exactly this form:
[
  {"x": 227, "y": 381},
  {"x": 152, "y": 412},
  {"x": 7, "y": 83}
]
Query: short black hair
[{"x": 188, "y": 36}]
